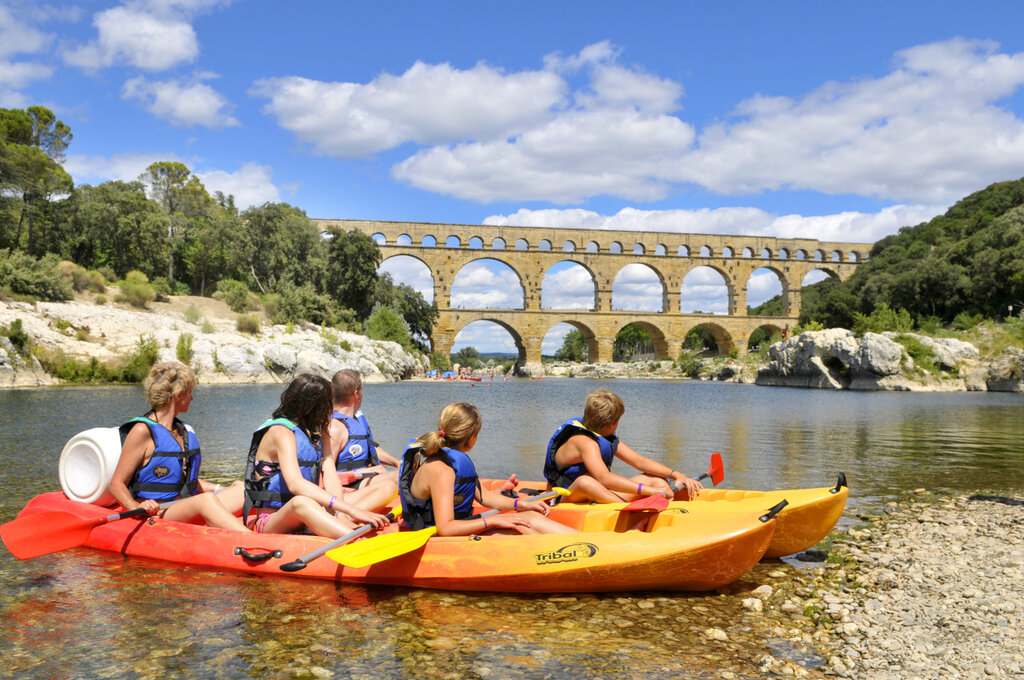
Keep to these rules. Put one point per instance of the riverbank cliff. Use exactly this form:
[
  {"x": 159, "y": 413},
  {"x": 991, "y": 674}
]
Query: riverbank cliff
[{"x": 202, "y": 329}]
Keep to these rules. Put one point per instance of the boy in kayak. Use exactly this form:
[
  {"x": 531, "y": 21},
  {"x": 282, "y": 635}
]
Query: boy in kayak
[
  {"x": 286, "y": 464},
  {"x": 160, "y": 457},
  {"x": 351, "y": 436},
  {"x": 438, "y": 484},
  {"x": 582, "y": 450}
]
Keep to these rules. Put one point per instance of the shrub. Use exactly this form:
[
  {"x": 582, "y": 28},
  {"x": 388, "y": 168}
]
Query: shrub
[
  {"x": 248, "y": 323},
  {"x": 922, "y": 355},
  {"x": 192, "y": 314},
  {"x": 271, "y": 301},
  {"x": 184, "y": 349},
  {"x": 101, "y": 299},
  {"x": 237, "y": 296},
  {"x": 304, "y": 303},
  {"x": 136, "y": 289},
  {"x": 131, "y": 370},
  {"x": 207, "y": 327},
  {"x": 688, "y": 364},
  {"x": 40, "y": 278},
  {"x": 97, "y": 282},
  {"x": 883, "y": 319},
  {"x": 18, "y": 337},
  {"x": 162, "y": 288},
  {"x": 965, "y": 320},
  {"x": 387, "y": 324},
  {"x": 76, "y": 275},
  {"x": 808, "y": 327}
]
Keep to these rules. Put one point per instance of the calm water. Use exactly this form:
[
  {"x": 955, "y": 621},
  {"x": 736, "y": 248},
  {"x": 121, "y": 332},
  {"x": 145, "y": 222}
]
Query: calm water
[{"x": 84, "y": 614}]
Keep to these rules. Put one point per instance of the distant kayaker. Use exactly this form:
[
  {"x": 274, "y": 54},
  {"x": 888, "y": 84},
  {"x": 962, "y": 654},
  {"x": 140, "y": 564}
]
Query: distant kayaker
[
  {"x": 286, "y": 464},
  {"x": 438, "y": 484},
  {"x": 352, "y": 438},
  {"x": 582, "y": 450},
  {"x": 160, "y": 457}
]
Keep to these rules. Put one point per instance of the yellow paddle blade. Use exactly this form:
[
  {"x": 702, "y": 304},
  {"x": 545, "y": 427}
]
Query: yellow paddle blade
[{"x": 380, "y": 548}]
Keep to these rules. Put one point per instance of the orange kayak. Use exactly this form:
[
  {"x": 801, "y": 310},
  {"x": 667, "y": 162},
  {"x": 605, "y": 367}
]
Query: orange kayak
[
  {"x": 808, "y": 518},
  {"x": 670, "y": 551}
]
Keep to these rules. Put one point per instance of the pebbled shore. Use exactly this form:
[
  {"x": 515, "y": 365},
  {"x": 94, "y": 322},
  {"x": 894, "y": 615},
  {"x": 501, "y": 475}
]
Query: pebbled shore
[{"x": 931, "y": 588}]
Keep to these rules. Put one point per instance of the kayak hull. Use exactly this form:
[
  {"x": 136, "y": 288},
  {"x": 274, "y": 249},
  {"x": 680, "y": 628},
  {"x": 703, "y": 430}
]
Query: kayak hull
[
  {"x": 809, "y": 517},
  {"x": 672, "y": 551}
]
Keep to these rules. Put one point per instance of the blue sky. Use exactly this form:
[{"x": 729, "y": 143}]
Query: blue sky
[{"x": 836, "y": 121}]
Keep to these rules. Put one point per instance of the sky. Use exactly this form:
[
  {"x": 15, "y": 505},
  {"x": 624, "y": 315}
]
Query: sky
[{"x": 836, "y": 121}]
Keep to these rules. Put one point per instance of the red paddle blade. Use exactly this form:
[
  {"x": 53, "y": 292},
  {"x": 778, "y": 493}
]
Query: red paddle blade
[
  {"x": 45, "y": 533},
  {"x": 653, "y": 503},
  {"x": 717, "y": 470}
]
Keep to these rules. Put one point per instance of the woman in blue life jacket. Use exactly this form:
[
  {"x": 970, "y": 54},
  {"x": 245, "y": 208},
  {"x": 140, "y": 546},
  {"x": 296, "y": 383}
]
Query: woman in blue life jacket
[
  {"x": 581, "y": 452},
  {"x": 286, "y": 464},
  {"x": 160, "y": 458},
  {"x": 438, "y": 484}
]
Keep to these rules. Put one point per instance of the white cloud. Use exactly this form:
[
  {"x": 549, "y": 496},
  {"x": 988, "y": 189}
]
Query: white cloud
[
  {"x": 856, "y": 227},
  {"x": 16, "y": 75},
  {"x": 250, "y": 184},
  {"x": 568, "y": 287},
  {"x": 182, "y": 103},
  {"x": 411, "y": 272},
  {"x": 125, "y": 167},
  {"x": 149, "y": 38},
  {"x": 486, "y": 284},
  {"x": 428, "y": 104},
  {"x": 18, "y": 37},
  {"x": 762, "y": 286},
  {"x": 637, "y": 288},
  {"x": 704, "y": 290}
]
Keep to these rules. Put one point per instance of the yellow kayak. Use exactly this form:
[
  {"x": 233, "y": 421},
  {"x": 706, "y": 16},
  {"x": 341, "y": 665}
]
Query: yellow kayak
[{"x": 808, "y": 518}]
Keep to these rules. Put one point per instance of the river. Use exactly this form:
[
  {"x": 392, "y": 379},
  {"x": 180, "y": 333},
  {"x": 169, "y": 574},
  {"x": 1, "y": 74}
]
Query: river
[{"x": 84, "y": 614}]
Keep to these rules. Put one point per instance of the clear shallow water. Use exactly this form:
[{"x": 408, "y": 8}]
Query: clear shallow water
[{"x": 86, "y": 614}]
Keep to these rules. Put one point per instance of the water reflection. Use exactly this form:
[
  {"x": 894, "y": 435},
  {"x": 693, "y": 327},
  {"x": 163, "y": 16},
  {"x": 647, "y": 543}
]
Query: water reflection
[{"x": 85, "y": 614}]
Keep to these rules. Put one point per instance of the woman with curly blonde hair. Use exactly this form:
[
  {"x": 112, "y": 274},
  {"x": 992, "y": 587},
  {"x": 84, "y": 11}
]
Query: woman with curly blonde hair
[{"x": 160, "y": 457}]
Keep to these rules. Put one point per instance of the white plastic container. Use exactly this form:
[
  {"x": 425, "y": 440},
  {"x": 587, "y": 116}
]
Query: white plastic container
[{"x": 87, "y": 463}]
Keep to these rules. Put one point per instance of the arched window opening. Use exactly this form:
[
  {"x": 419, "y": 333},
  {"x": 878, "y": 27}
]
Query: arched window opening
[
  {"x": 428, "y": 241},
  {"x": 705, "y": 251},
  {"x": 476, "y": 243},
  {"x": 404, "y": 240},
  {"x": 704, "y": 291},
  {"x": 565, "y": 343},
  {"x": 727, "y": 252},
  {"x": 484, "y": 338},
  {"x": 764, "y": 293},
  {"x": 700, "y": 341},
  {"x": 592, "y": 247},
  {"x": 544, "y": 245},
  {"x": 747, "y": 252},
  {"x": 453, "y": 242},
  {"x": 660, "y": 249},
  {"x": 682, "y": 251},
  {"x": 568, "y": 247},
  {"x": 783, "y": 254},
  {"x": 836, "y": 256},
  {"x": 487, "y": 284},
  {"x": 410, "y": 271},
  {"x": 615, "y": 248},
  {"x": 633, "y": 343},
  {"x": 637, "y": 287},
  {"x": 638, "y": 249},
  {"x": 379, "y": 239},
  {"x": 766, "y": 254},
  {"x": 521, "y": 244},
  {"x": 568, "y": 285},
  {"x": 498, "y": 244}
]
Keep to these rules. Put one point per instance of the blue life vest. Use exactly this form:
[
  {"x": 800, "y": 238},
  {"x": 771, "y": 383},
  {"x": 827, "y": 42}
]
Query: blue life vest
[
  {"x": 264, "y": 484},
  {"x": 420, "y": 514},
  {"x": 171, "y": 471},
  {"x": 360, "y": 451},
  {"x": 564, "y": 476}
]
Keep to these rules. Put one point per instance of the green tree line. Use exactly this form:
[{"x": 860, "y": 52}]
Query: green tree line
[{"x": 183, "y": 240}]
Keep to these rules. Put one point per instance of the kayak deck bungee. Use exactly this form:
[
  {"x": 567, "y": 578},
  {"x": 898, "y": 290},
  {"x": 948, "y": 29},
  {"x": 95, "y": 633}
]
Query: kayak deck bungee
[
  {"x": 808, "y": 518},
  {"x": 673, "y": 551}
]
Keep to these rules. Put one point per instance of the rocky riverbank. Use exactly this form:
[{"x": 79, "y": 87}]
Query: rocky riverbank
[
  {"x": 928, "y": 589},
  {"x": 219, "y": 352}
]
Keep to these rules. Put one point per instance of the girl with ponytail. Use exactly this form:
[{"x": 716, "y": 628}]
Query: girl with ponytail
[{"x": 438, "y": 484}]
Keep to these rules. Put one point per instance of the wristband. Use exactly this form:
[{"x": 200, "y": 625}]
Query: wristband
[
  {"x": 330, "y": 505},
  {"x": 485, "y": 523},
  {"x": 515, "y": 505},
  {"x": 639, "y": 487}
]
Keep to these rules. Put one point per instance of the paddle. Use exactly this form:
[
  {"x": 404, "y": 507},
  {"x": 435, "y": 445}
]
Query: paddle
[
  {"x": 306, "y": 559},
  {"x": 657, "y": 503},
  {"x": 56, "y": 530},
  {"x": 53, "y": 531},
  {"x": 381, "y": 548}
]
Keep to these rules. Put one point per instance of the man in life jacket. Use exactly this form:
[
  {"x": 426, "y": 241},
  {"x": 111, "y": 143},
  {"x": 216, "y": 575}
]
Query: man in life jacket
[
  {"x": 351, "y": 436},
  {"x": 582, "y": 450}
]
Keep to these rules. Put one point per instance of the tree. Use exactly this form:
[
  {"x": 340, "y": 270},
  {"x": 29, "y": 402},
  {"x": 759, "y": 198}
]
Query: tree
[
  {"x": 631, "y": 341},
  {"x": 351, "y": 270},
  {"x": 410, "y": 303},
  {"x": 117, "y": 226},
  {"x": 574, "y": 347},
  {"x": 280, "y": 246},
  {"x": 467, "y": 356},
  {"x": 386, "y": 324},
  {"x": 184, "y": 200}
]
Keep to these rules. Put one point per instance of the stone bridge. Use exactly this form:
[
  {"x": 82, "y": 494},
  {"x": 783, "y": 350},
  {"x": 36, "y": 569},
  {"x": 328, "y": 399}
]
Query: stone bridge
[{"x": 531, "y": 251}]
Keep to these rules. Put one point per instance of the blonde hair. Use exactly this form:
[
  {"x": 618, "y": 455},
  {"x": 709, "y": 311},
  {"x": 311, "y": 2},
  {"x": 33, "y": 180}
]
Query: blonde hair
[
  {"x": 458, "y": 423},
  {"x": 344, "y": 384},
  {"x": 166, "y": 381},
  {"x": 602, "y": 409}
]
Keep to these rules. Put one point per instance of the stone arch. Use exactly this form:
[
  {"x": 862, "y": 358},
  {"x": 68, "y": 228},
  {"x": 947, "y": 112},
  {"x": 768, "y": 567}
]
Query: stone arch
[
  {"x": 853, "y": 256},
  {"x": 498, "y": 243},
  {"x": 706, "y": 251},
  {"x": 428, "y": 241},
  {"x": 763, "y": 334},
  {"x": 634, "y": 281},
  {"x": 817, "y": 274},
  {"x": 658, "y": 336},
  {"x": 403, "y": 240},
  {"x": 544, "y": 245},
  {"x": 819, "y": 255},
  {"x": 592, "y": 247},
  {"x": 571, "y": 279},
  {"x": 493, "y": 287},
  {"x": 475, "y": 243},
  {"x": 702, "y": 292},
  {"x": 766, "y": 253},
  {"x": 783, "y": 254},
  {"x": 453, "y": 241},
  {"x": 517, "y": 338},
  {"x": 836, "y": 256},
  {"x": 568, "y": 247},
  {"x": 727, "y": 251},
  {"x": 748, "y": 253},
  {"x": 660, "y": 249},
  {"x": 412, "y": 271},
  {"x": 683, "y": 251},
  {"x": 723, "y": 339},
  {"x": 589, "y": 338},
  {"x": 522, "y": 244},
  {"x": 638, "y": 249},
  {"x": 379, "y": 238},
  {"x": 615, "y": 248}
]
